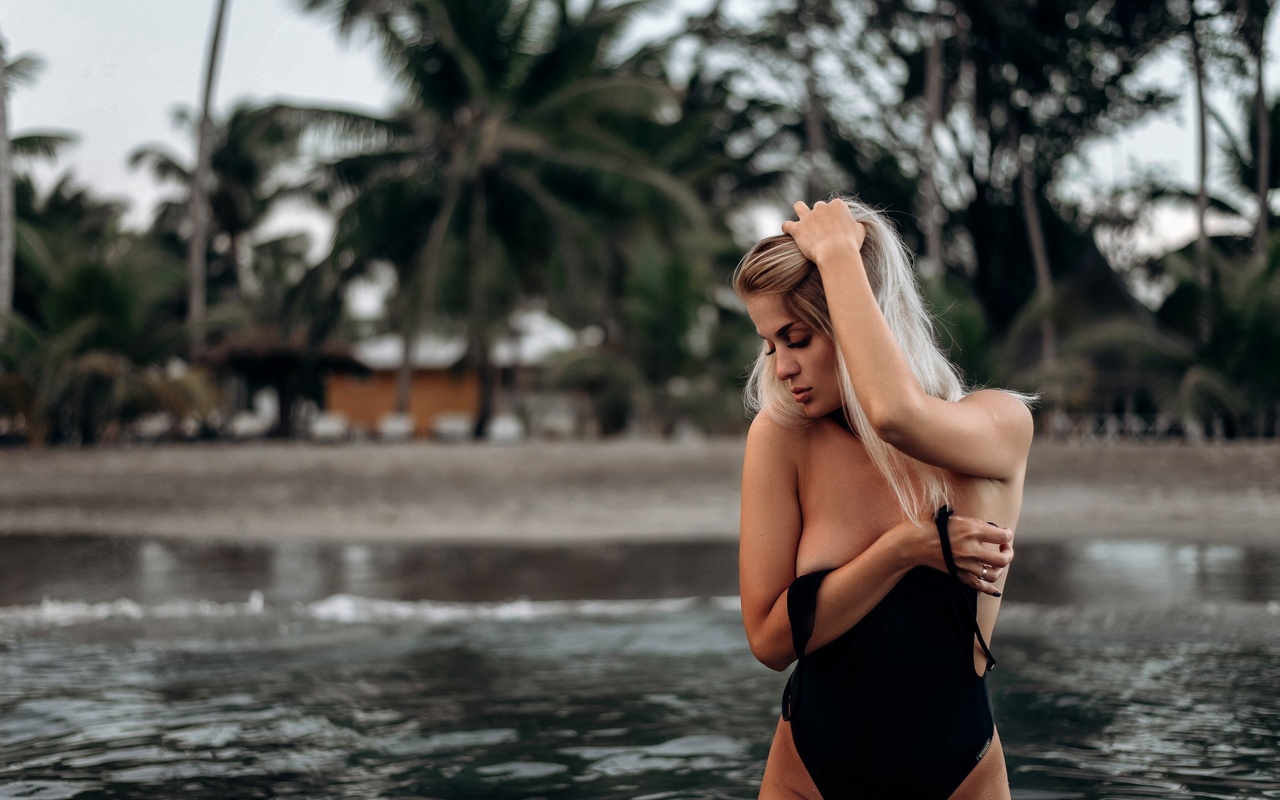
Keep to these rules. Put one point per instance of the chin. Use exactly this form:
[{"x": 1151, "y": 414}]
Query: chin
[{"x": 819, "y": 410}]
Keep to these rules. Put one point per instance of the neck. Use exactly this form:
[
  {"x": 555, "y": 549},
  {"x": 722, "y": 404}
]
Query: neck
[{"x": 839, "y": 418}]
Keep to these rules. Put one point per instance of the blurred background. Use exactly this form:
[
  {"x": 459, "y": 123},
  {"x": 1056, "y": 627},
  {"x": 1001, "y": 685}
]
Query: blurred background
[{"x": 517, "y": 219}]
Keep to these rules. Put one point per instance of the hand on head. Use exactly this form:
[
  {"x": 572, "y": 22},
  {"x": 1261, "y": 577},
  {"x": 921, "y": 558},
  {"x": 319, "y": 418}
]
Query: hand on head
[{"x": 826, "y": 227}]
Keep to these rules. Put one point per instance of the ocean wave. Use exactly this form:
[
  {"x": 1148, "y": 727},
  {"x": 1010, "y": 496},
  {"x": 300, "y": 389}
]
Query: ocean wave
[
  {"x": 347, "y": 608},
  {"x": 350, "y": 608},
  {"x": 72, "y": 612},
  {"x": 1230, "y": 620}
]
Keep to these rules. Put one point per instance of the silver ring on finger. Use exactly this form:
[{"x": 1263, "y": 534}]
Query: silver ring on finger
[{"x": 983, "y": 576}]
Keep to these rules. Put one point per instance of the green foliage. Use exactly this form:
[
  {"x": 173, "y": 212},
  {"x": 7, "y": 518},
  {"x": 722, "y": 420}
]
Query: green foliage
[
  {"x": 531, "y": 156},
  {"x": 96, "y": 320},
  {"x": 612, "y": 386}
]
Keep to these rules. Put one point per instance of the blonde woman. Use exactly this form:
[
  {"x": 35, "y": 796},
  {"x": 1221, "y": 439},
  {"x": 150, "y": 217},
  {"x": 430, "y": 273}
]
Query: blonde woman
[{"x": 851, "y": 562}]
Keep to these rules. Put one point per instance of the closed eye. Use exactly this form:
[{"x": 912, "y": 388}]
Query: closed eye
[{"x": 796, "y": 345}]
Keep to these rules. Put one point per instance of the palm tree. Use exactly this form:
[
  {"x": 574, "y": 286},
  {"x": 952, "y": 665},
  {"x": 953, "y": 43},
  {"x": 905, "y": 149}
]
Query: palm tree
[
  {"x": 508, "y": 101},
  {"x": 13, "y": 72},
  {"x": 250, "y": 150},
  {"x": 96, "y": 325},
  {"x": 1252, "y": 18},
  {"x": 198, "y": 206}
]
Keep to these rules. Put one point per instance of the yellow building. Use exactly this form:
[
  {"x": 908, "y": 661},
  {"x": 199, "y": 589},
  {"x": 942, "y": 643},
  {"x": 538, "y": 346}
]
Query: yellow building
[
  {"x": 444, "y": 394},
  {"x": 440, "y": 385}
]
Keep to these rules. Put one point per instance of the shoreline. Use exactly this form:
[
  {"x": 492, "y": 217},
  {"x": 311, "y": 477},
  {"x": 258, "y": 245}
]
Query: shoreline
[{"x": 558, "y": 493}]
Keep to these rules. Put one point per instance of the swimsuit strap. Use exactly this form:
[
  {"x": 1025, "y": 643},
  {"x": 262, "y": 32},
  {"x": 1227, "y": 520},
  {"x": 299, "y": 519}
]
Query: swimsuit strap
[
  {"x": 802, "y": 608},
  {"x": 940, "y": 520}
]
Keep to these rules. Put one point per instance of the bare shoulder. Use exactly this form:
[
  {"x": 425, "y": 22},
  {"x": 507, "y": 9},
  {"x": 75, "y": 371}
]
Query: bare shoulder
[
  {"x": 1008, "y": 414},
  {"x": 770, "y": 440}
]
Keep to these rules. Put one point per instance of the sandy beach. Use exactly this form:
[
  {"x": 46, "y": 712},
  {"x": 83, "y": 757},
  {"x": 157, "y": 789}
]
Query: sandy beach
[{"x": 558, "y": 492}]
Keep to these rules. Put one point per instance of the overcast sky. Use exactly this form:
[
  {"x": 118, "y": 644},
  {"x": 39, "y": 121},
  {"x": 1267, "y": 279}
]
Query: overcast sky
[{"x": 115, "y": 70}]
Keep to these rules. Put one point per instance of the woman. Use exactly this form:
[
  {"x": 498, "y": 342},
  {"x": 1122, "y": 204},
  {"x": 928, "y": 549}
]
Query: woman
[{"x": 866, "y": 433}]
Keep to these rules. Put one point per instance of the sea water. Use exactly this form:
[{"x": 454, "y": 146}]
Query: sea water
[{"x": 145, "y": 668}]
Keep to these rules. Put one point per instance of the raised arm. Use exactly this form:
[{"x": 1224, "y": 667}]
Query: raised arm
[
  {"x": 770, "y": 536},
  {"x": 987, "y": 434}
]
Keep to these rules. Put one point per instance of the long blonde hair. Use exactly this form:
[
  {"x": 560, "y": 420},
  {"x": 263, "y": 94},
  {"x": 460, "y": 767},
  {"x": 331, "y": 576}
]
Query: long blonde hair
[{"x": 776, "y": 266}]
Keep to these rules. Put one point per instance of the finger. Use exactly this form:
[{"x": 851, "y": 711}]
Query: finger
[
  {"x": 986, "y": 572},
  {"x": 976, "y": 524},
  {"x": 992, "y": 574},
  {"x": 996, "y": 535},
  {"x": 788, "y": 225},
  {"x": 996, "y": 556},
  {"x": 982, "y": 531},
  {"x": 982, "y": 586},
  {"x": 800, "y": 208}
]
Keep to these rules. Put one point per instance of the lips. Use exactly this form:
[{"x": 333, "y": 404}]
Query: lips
[{"x": 801, "y": 395}]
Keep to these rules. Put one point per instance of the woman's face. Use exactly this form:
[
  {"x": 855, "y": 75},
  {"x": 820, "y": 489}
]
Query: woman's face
[{"x": 803, "y": 358}]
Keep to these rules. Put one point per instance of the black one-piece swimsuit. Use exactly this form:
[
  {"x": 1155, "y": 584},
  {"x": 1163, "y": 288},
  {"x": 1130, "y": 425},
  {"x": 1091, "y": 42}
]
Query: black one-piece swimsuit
[{"x": 893, "y": 707}]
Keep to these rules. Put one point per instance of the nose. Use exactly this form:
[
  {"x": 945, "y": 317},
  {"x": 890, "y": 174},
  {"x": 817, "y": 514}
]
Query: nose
[{"x": 785, "y": 365}]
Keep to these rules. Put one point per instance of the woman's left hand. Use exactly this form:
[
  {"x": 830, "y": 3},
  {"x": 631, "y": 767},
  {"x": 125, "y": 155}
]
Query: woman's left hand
[{"x": 826, "y": 228}]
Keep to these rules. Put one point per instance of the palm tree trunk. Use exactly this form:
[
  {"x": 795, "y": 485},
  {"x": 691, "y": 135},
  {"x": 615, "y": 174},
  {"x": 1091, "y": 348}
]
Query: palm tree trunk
[
  {"x": 1262, "y": 124},
  {"x": 1202, "y": 261},
  {"x": 198, "y": 207},
  {"x": 242, "y": 262},
  {"x": 421, "y": 296},
  {"x": 6, "y": 199},
  {"x": 814, "y": 135},
  {"x": 815, "y": 139},
  {"x": 1039, "y": 252},
  {"x": 409, "y": 328},
  {"x": 1202, "y": 152},
  {"x": 930, "y": 200},
  {"x": 478, "y": 327}
]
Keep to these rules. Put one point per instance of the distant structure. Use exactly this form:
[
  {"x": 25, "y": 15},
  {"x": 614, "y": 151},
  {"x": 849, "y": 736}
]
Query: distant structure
[{"x": 445, "y": 393}]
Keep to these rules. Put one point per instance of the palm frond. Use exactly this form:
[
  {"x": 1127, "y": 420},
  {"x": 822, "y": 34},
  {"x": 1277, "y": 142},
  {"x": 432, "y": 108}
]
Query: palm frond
[
  {"x": 45, "y": 145},
  {"x": 354, "y": 130},
  {"x": 632, "y": 95},
  {"x": 447, "y": 33},
  {"x": 163, "y": 164},
  {"x": 1129, "y": 341},
  {"x": 21, "y": 70},
  {"x": 31, "y": 248},
  {"x": 1203, "y": 390}
]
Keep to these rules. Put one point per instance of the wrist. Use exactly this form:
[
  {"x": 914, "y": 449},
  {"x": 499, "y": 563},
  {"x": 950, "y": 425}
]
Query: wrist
[
  {"x": 838, "y": 255},
  {"x": 913, "y": 544}
]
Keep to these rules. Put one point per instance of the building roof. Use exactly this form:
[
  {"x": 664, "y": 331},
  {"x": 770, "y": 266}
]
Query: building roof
[
  {"x": 536, "y": 336},
  {"x": 430, "y": 351}
]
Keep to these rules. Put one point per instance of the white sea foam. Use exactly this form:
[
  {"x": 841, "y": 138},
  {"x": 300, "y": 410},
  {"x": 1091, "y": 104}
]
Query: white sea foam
[
  {"x": 71, "y": 612},
  {"x": 1221, "y": 620},
  {"x": 350, "y": 608},
  {"x": 346, "y": 608}
]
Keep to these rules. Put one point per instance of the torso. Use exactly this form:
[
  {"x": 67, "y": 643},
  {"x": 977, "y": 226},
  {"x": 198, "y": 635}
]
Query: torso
[{"x": 846, "y": 503}]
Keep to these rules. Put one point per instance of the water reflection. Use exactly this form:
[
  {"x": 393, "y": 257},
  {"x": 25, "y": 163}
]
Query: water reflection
[
  {"x": 1127, "y": 670},
  {"x": 573, "y": 708},
  {"x": 1143, "y": 573},
  {"x": 154, "y": 571}
]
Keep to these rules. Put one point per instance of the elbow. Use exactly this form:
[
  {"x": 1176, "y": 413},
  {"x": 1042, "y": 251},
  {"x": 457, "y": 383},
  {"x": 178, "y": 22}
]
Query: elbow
[
  {"x": 774, "y": 655},
  {"x": 891, "y": 420}
]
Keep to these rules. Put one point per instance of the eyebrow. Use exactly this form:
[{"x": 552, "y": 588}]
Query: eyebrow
[{"x": 781, "y": 331}]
